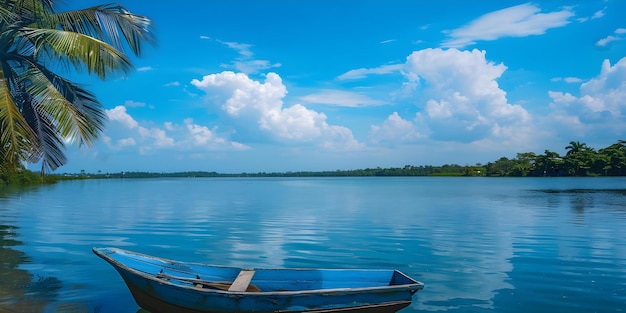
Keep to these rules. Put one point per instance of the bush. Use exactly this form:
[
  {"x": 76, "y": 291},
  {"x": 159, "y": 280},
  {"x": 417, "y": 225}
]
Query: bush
[{"x": 21, "y": 177}]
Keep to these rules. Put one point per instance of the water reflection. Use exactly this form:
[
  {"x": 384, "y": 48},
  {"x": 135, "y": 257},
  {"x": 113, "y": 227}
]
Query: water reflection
[
  {"x": 569, "y": 267},
  {"x": 479, "y": 245},
  {"x": 19, "y": 290}
]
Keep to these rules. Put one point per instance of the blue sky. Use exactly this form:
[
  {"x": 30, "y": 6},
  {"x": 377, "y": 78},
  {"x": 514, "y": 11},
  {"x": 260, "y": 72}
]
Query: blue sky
[{"x": 274, "y": 86}]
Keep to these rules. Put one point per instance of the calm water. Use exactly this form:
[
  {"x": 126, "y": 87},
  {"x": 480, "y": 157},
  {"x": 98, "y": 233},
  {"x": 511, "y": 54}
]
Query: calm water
[{"x": 479, "y": 244}]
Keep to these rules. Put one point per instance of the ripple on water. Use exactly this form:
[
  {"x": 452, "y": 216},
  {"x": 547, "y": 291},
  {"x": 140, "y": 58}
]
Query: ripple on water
[{"x": 484, "y": 245}]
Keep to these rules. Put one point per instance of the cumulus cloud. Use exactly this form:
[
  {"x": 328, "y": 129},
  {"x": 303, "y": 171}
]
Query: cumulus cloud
[
  {"x": 340, "y": 98},
  {"x": 202, "y": 136},
  {"x": 119, "y": 114},
  {"x": 395, "y": 130},
  {"x": 250, "y": 102},
  {"x": 124, "y": 131},
  {"x": 161, "y": 139},
  {"x": 601, "y": 103},
  {"x": 158, "y": 138},
  {"x": 460, "y": 98},
  {"x": 125, "y": 142},
  {"x": 517, "y": 21}
]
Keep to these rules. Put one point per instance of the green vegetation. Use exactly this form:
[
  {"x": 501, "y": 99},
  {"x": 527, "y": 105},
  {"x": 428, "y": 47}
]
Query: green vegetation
[
  {"x": 19, "y": 176},
  {"x": 41, "y": 111},
  {"x": 580, "y": 160}
]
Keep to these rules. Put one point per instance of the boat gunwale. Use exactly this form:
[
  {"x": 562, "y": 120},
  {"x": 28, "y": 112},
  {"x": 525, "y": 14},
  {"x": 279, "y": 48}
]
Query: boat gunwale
[{"x": 412, "y": 287}]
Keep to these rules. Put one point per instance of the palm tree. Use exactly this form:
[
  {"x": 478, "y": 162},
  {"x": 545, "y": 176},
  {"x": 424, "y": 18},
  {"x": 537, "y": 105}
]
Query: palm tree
[
  {"x": 41, "y": 111},
  {"x": 575, "y": 147},
  {"x": 579, "y": 158}
]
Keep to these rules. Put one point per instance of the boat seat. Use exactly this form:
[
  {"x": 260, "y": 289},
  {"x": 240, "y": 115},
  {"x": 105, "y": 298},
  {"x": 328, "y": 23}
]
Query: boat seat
[
  {"x": 219, "y": 285},
  {"x": 242, "y": 281}
]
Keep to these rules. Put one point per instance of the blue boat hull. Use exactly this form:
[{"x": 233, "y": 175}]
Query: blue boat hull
[{"x": 161, "y": 286}]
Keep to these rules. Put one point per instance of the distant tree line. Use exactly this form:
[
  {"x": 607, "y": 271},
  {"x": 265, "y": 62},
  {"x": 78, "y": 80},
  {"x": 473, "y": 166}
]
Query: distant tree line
[{"x": 579, "y": 160}]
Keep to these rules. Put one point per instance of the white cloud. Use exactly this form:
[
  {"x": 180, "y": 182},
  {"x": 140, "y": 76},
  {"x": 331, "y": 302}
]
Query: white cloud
[
  {"x": 119, "y": 114},
  {"x": 172, "y": 84},
  {"x": 124, "y": 131},
  {"x": 144, "y": 68},
  {"x": 340, "y": 98},
  {"x": 134, "y": 104},
  {"x": 601, "y": 104},
  {"x": 517, "y": 21},
  {"x": 294, "y": 123},
  {"x": 598, "y": 14},
  {"x": 199, "y": 134},
  {"x": 160, "y": 137},
  {"x": 388, "y": 41},
  {"x": 253, "y": 66},
  {"x": 125, "y": 142},
  {"x": 242, "y": 48},
  {"x": 259, "y": 105},
  {"x": 461, "y": 99},
  {"x": 570, "y": 80},
  {"x": 606, "y": 40},
  {"x": 610, "y": 38},
  {"x": 364, "y": 72},
  {"x": 395, "y": 129},
  {"x": 246, "y": 62}
]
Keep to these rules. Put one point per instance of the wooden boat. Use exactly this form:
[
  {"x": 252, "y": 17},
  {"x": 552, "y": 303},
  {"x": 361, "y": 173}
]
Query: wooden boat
[{"x": 160, "y": 285}]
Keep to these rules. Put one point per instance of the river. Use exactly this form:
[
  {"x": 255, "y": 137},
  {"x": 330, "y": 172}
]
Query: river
[{"x": 478, "y": 244}]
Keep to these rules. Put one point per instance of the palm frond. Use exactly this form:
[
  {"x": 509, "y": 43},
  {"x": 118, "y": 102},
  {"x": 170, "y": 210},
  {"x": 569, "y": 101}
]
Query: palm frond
[
  {"x": 80, "y": 50},
  {"x": 93, "y": 115},
  {"x": 82, "y": 21},
  {"x": 85, "y": 103},
  {"x": 50, "y": 142},
  {"x": 7, "y": 16},
  {"x": 76, "y": 114},
  {"x": 17, "y": 139},
  {"x": 111, "y": 23},
  {"x": 32, "y": 11}
]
